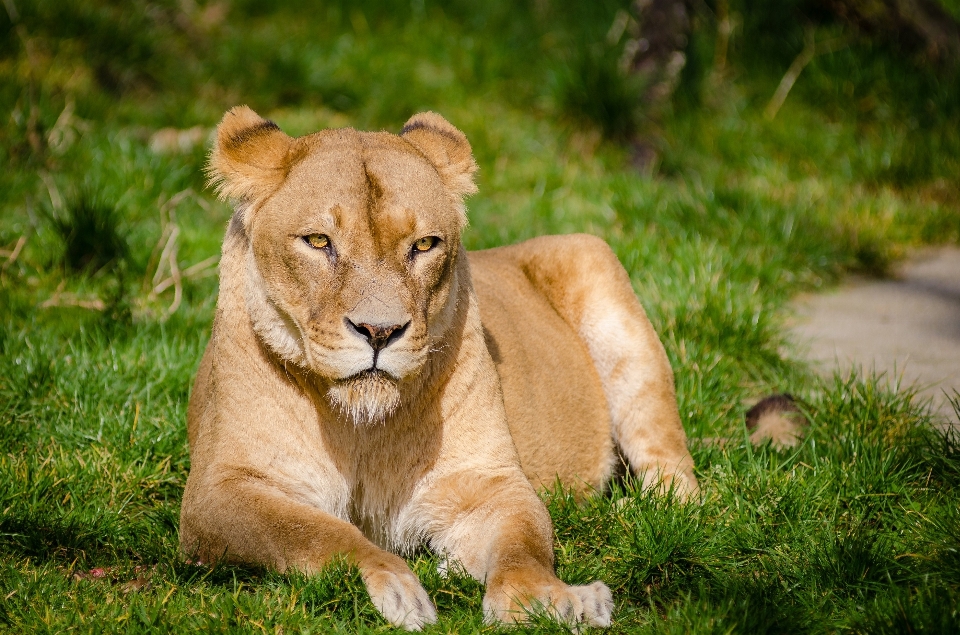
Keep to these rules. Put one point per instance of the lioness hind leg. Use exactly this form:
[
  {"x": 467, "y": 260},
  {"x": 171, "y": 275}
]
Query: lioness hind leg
[{"x": 583, "y": 280}]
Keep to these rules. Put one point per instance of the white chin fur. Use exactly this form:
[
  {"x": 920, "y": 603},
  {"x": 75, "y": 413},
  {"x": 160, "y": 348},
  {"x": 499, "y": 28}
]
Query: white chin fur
[{"x": 366, "y": 399}]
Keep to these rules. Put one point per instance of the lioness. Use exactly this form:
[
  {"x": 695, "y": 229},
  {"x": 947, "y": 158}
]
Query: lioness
[{"x": 369, "y": 386}]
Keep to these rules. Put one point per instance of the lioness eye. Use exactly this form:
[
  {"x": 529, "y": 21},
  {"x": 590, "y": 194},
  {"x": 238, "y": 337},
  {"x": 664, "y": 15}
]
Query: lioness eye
[
  {"x": 317, "y": 241},
  {"x": 426, "y": 243}
]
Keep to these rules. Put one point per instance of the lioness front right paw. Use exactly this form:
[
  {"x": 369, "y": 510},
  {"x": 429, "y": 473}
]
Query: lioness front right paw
[
  {"x": 683, "y": 483},
  {"x": 399, "y": 596},
  {"x": 575, "y": 606}
]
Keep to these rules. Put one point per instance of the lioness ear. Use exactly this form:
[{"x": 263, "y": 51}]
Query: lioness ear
[
  {"x": 250, "y": 157},
  {"x": 446, "y": 147}
]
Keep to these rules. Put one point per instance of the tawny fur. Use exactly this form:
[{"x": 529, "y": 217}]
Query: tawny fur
[
  {"x": 509, "y": 369},
  {"x": 776, "y": 419}
]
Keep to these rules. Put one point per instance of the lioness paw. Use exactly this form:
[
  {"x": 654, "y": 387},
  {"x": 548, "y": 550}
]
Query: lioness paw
[
  {"x": 597, "y": 603},
  {"x": 400, "y": 598},
  {"x": 575, "y": 606},
  {"x": 682, "y": 483}
]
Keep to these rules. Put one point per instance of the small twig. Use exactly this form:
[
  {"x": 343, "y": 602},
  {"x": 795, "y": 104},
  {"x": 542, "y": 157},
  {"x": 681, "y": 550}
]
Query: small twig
[
  {"x": 168, "y": 225},
  {"x": 177, "y": 284},
  {"x": 199, "y": 269},
  {"x": 59, "y": 136},
  {"x": 154, "y": 259},
  {"x": 175, "y": 200},
  {"x": 203, "y": 203},
  {"x": 59, "y": 298},
  {"x": 801, "y": 61},
  {"x": 165, "y": 284},
  {"x": 169, "y": 248},
  {"x": 56, "y": 292},
  {"x": 55, "y": 199},
  {"x": 69, "y": 299},
  {"x": 620, "y": 23},
  {"x": 169, "y": 282},
  {"x": 167, "y": 259},
  {"x": 13, "y": 255},
  {"x": 810, "y": 50}
]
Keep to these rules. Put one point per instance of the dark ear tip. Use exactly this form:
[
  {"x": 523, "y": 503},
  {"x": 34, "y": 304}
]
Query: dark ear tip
[
  {"x": 411, "y": 126},
  {"x": 264, "y": 126},
  {"x": 431, "y": 122},
  {"x": 240, "y": 124}
]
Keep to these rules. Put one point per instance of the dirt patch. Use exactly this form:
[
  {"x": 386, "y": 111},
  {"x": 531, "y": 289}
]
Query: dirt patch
[{"x": 907, "y": 327}]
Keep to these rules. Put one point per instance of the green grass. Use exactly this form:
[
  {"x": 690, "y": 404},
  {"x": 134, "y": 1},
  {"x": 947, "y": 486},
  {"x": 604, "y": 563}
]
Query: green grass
[{"x": 857, "y": 530}]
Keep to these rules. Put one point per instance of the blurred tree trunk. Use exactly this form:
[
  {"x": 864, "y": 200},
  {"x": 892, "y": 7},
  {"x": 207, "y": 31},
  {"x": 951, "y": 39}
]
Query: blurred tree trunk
[
  {"x": 914, "y": 22},
  {"x": 656, "y": 54}
]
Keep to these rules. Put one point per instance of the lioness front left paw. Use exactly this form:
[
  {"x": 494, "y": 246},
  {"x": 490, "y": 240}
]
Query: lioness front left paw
[
  {"x": 400, "y": 598},
  {"x": 575, "y": 606}
]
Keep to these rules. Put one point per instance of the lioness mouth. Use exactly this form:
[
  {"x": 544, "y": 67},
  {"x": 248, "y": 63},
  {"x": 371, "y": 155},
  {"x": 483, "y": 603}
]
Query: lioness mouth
[{"x": 367, "y": 397}]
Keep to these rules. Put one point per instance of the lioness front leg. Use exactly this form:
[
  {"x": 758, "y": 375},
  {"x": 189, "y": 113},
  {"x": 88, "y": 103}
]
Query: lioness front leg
[
  {"x": 522, "y": 581},
  {"x": 502, "y": 535},
  {"x": 243, "y": 519}
]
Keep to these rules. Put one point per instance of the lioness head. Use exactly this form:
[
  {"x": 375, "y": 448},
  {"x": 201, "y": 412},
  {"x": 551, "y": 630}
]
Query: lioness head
[{"x": 352, "y": 244}]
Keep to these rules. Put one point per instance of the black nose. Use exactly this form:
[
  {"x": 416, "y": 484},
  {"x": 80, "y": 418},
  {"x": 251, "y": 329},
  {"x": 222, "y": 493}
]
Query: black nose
[{"x": 379, "y": 336}]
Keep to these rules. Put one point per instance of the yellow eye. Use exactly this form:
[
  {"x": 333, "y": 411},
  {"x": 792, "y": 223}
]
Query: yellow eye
[
  {"x": 317, "y": 241},
  {"x": 426, "y": 243}
]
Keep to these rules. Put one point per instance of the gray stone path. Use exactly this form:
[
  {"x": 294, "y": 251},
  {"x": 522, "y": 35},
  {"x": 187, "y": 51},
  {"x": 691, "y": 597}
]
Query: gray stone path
[{"x": 908, "y": 326}]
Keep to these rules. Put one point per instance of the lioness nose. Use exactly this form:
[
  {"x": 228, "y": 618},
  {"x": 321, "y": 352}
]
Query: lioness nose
[{"x": 379, "y": 336}]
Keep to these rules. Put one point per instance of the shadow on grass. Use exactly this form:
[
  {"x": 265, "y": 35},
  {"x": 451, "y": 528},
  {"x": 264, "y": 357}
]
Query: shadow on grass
[
  {"x": 66, "y": 538},
  {"x": 930, "y": 609}
]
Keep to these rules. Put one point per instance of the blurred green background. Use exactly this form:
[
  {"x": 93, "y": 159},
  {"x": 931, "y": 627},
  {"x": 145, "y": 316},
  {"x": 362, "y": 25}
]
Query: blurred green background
[
  {"x": 111, "y": 106},
  {"x": 871, "y": 124}
]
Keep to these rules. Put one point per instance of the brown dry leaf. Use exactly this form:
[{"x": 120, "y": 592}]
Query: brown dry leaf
[
  {"x": 110, "y": 575},
  {"x": 137, "y": 584}
]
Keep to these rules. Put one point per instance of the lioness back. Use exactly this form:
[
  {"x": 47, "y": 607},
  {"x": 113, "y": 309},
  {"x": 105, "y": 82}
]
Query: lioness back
[
  {"x": 581, "y": 367},
  {"x": 556, "y": 407}
]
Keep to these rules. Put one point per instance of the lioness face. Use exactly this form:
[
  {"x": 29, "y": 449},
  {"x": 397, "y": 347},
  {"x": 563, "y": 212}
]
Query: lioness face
[
  {"x": 351, "y": 266},
  {"x": 352, "y": 242}
]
